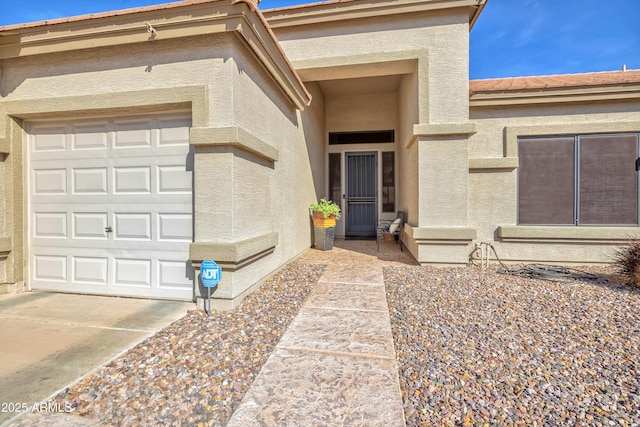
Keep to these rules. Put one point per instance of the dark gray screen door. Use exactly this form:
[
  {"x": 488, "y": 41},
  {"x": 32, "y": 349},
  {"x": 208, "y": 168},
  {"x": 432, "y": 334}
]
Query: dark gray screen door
[{"x": 361, "y": 194}]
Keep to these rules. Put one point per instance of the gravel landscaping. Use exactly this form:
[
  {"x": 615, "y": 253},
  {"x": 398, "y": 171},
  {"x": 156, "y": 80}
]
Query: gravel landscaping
[
  {"x": 195, "y": 371},
  {"x": 475, "y": 347}
]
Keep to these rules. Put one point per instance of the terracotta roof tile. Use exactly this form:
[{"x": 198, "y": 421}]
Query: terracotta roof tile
[
  {"x": 168, "y": 5},
  {"x": 607, "y": 78},
  {"x": 306, "y": 5},
  {"x": 103, "y": 14}
]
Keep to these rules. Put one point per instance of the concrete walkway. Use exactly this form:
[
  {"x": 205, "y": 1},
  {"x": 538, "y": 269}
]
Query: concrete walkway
[
  {"x": 335, "y": 365},
  {"x": 48, "y": 340}
]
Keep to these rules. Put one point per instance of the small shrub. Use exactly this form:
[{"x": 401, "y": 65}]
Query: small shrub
[
  {"x": 627, "y": 259},
  {"x": 327, "y": 207}
]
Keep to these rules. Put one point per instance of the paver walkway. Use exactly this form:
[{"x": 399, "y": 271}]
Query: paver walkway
[{"x": 335, "y": 364}]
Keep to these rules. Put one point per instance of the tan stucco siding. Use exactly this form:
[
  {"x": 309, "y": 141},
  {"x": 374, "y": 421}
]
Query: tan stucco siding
[
  {"x": 408, "y": 157},
  {"x": 258, "y": 190},
  {"x": 252, "y": 179},
  {"x": 169, "y": 63},
  {"x": 267, "y": 195},
  {"x": 313, "y": 127},
  {"x": 493, "y": 197},
  {"x": 442, "y": 163},
  {"x": 362, "y": 112},
  {"x": 488, "y": 141},
  {"x": 444, "y": 36}
]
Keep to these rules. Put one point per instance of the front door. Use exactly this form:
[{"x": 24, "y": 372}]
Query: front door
[{"x": 361, "y": 185}]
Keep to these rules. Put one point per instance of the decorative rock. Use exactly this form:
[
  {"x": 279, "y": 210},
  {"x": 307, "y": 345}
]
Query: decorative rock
[
  {"x": 499, "y": 349},
  {"x": 195, "y": 371}
]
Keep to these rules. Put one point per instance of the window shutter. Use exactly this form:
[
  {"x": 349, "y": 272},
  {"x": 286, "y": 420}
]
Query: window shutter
[
  {"x": 546, "y": 181},
  {"x": 608, "y": 180}
]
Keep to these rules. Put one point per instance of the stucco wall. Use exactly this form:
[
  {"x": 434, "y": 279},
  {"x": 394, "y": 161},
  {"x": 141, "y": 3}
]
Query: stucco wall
[
  {"x": 161, "y": 63},
  {"x": 443, "y": 34},
  {"x": 431, "y": 50},
  {"x": 378, "y": 111},
  {"x": 408, "y": 157},
  {"x": 493, "y": 192},
  {"x": 271, "y": 197},
  {"x": 313, "y": 121},
  {"x": 240, "y": 193}
]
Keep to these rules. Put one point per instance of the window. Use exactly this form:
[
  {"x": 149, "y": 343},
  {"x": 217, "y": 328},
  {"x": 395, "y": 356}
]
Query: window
[
  {"x": 388, "y": 182},
  {"x": 364, "y": 137},
  {"x": 578, "y": 180},
  {"x": 334, "y": 178}
]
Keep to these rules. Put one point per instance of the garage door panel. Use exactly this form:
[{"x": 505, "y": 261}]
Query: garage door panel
[
  {"x": 50, "y": 138},
  {"x": 132, "y": 134},
  {"x": 50, "y": 225},
  {"x": 173, "y": 131},
  {"x": 133, "y": 175},
  {"x": 91, "y": 136},
  {"x": 132, "y": 272},
  {"x": 50, "y": 181},
  {"x": 175, "y": 227},
  {"x": 132, "y": 180},
  {"x": 164, "y": 278},
  {"x": 90, "y": 225},
  {"x": 90, "y": 270},
  {"x": 174, "y": 179},
  {"x": 50, "y": 268},
  {"x": 132, "y": 226},
  {"x": 90, "y": 180},
  {"x": 175, "y": 275}
]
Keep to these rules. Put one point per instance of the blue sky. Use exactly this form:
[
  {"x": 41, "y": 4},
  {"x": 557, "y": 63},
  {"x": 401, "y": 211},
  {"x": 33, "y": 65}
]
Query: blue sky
[{"x": 511, "y": 38}]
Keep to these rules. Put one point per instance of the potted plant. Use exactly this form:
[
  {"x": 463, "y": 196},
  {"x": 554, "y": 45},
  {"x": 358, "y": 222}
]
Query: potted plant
[{"x": 325, "y": 213}]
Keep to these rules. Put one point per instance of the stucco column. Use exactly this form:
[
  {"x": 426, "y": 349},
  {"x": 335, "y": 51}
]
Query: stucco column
[
  {"x": 442, "y": 235},
  {"x": 232, "y": 173}
]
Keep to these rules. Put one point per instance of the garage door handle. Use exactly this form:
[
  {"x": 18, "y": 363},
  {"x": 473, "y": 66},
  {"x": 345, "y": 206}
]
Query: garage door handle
[{"x": 108, "y": 229}]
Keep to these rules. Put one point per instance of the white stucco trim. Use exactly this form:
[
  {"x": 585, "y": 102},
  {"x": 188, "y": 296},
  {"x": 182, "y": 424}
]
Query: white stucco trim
[
  {"x": 232, "y": 256},
  {"x": 489, "y": 163},
  {"x": 5, "y": 246},
  {"x": 235, "y": 137},
  {"x": 511, "y": 133},
  {"x": 554, "y": 96},
  {"x": 194, "y": 98},
  {"x": 334, "y": 11},
  {"x": 568, "y": 234},
  {"x": 425, "y": 130},
  {"x": 354, "y": 66}
]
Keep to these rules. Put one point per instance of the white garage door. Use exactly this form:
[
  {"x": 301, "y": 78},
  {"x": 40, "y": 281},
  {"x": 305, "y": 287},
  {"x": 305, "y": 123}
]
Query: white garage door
[{"x": 110, "y": 206}]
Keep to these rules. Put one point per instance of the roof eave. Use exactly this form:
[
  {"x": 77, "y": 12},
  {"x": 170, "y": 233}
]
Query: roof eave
[
  {"x": 475, "y": 12},
  {"x": 332, "y": 11},
  {"x": 554, "y": 96}
]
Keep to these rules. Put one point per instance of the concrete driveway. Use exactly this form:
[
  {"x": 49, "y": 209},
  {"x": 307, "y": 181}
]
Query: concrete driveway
[{"x": 49, "y": 340}]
